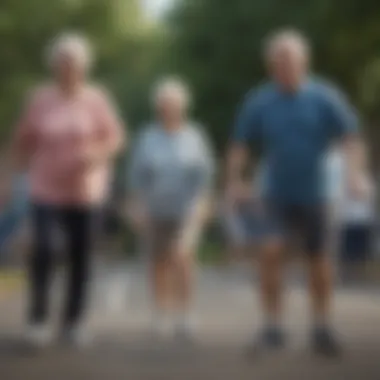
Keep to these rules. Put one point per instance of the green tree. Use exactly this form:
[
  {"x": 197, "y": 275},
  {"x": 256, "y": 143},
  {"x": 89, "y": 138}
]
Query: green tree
[
  {"x": 124, "y": 45},
  {"x": 217, "y": 47}
]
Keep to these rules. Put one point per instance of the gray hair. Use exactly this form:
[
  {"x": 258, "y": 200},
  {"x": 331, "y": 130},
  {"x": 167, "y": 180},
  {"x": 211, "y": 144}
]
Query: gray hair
[
  {"x": 171, "y": 87},
  {"x": 73, "y": 45},
  {"x": 286, "y": 38}
]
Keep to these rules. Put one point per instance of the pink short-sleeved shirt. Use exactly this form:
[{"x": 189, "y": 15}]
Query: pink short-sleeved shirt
[{"x": 57, "y": 134}]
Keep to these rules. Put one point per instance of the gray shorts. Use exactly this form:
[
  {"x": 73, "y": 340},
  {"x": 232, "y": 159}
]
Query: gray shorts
[
  {"x": 163, "y": 236},
  {"x": 171, "y": 237}
]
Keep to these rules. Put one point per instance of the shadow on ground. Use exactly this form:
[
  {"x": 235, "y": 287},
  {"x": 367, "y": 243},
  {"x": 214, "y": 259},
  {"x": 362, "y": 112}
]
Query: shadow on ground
[{"x": 139, "y": 357}]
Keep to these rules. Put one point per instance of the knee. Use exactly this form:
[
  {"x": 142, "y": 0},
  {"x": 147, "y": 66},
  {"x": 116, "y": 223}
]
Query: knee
[
  {"x": 272, "y": 253},
  {"x": 160, "y": 259},
  {"x": 184, "y": 260},
  {"x": 320, "y": 263}
]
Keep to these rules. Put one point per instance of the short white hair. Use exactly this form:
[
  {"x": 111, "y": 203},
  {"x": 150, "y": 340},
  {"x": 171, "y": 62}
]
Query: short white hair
[
  {"x": 286, "y": 38},
  {"x": 174, "y": 88},
  {"x": 74, "y": 45}
]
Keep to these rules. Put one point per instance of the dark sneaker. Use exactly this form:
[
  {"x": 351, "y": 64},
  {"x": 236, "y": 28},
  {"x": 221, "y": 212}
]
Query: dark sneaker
[
  {"x": 269, "y": 339},
  {"x": 325, "y": 344}
]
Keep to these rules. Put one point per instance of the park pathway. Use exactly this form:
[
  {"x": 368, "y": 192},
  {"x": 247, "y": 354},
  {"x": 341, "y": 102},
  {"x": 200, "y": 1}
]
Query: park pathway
[{"x": 227, "y": 313}]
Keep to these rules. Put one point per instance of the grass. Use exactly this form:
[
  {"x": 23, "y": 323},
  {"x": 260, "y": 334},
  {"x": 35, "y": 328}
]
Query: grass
[
  {"x": 211, "y": 253},
  {"x": 10, "y": 281}
]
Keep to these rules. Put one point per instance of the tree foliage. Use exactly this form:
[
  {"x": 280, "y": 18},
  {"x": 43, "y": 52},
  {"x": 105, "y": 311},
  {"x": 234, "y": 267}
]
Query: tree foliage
[
  {"x": 123, "y": 40},
  {"x": 217, "y": 45}
]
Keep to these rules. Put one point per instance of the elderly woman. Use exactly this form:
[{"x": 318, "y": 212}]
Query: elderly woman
[
  {"x": 171, "y": 176},
  {"x": 65, "y": 141}
]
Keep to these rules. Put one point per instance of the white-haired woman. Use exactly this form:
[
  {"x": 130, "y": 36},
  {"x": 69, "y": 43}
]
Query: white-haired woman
[
  {"x": 171, "y": 176},
  {"x": 66, "y": 140}
]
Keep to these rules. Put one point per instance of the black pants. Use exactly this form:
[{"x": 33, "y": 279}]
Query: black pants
[
  {"x": 356, "y": 242},
  {"x": 76, "y": 225}
]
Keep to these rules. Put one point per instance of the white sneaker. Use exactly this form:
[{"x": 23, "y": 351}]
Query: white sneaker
[
  {"x": 39, "y": 335},
  {"x": 186, "y": 328},
  {"x": 162, "y": 326}
]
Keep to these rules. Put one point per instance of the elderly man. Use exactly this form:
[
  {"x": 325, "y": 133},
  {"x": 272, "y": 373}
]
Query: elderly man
[{"x": 295, "y": 118}]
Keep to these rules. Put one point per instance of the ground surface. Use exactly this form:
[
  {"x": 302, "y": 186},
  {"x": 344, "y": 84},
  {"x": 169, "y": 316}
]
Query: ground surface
[{"x": 227, "y": 313}]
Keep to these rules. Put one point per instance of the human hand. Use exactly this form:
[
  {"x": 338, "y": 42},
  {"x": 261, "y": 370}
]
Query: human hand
[
  {"x": 359, "y": 188},
  {"x": 237, "y": 192}
]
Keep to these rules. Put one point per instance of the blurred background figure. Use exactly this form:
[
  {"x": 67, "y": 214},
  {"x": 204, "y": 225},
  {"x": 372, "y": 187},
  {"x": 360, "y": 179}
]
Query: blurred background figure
[
  {"x": 65, "y": 142},
  {"x": 352, "y": 216},
  {"x": 295, "y": 119},
  {"x": 171, "y": 177},
  {"x": 13, "y": 214}
]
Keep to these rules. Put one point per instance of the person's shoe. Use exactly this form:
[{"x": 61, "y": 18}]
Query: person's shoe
[
  {"x": 161, "y": 326},
  {"x": 325, "y": 344},
  {"x": 269, "y": 339},
  {"x": 185, "y": 329},
  {"x": 75, "y": 336},
  {"x": 39, "y": 335}
]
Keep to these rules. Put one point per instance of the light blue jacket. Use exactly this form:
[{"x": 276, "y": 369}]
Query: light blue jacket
[{"x": 170, "y": 170}]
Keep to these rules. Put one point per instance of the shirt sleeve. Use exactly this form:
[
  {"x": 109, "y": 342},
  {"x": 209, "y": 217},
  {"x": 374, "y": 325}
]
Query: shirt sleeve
[
  {"x": 248, "y": 121},
  {"x": 342, "y": 119}
]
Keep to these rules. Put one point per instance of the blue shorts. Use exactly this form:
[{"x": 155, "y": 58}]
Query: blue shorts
[
  {"x": 254, "y": 221},
  {"x": 306, "y": 223}
]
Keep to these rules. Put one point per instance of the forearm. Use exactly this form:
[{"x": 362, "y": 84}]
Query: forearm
[
  {"x": 107, "y": 151},
  {"x": 194, "y": 223},
  {"x": 136, "y": 189},
  {"x": 236, "y": 162},
  {"x": 201, "y": 209}
]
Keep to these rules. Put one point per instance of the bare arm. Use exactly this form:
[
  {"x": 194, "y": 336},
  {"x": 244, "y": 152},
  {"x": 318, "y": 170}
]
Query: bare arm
[
  {"x": 343, "y": 123},
  {"x": 113, "y": 142},
  {"x": 112, "y": 135},
  {"x": 135, "y": 208},
  {"x": 237, "y": 160},
  {"x": 248, "y": 128}
]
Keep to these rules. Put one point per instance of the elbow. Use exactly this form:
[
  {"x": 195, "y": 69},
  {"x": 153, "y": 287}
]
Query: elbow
[
  {"x": 116, "y": 146},
  {"x": 121, "y": 143}
]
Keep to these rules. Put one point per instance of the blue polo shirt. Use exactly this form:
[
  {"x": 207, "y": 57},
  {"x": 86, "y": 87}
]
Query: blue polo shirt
[{"x": 294, "y": 130}]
